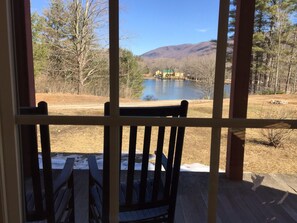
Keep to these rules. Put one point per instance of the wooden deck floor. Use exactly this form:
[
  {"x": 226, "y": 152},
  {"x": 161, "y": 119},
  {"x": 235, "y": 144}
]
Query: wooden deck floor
[{"x": 275, "y": 200}]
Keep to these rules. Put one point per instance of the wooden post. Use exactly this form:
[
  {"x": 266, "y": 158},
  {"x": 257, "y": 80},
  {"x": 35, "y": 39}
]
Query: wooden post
[
  {"x": 25, "y": 69},
  {"x": 240, "y": 85},
  {"x": 23, "y": 39},
  {"x": 114, "y": 150}
]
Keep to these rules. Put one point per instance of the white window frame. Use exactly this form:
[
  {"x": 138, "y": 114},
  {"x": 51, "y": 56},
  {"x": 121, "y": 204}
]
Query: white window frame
[
  {"x": 10, "y": 180},
  {"x": 10, "y": 177}
]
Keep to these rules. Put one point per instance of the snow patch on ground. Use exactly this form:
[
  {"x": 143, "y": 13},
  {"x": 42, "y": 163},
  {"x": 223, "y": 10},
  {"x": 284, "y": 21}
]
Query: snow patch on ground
[{"x": 81, "y": 162}]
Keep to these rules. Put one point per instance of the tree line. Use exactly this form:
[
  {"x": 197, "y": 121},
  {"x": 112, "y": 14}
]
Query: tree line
[
  {"x": 274, "y": 54},
  {"x": 70, "y": 54}
]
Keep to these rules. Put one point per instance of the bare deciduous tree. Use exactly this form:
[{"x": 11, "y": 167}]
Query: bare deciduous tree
[
  {"x": 85, "y": 17},
  {"x": 202, "y": 70}
]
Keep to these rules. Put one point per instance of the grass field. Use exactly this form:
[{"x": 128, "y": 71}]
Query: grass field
[{"x": 259, "y": 157}]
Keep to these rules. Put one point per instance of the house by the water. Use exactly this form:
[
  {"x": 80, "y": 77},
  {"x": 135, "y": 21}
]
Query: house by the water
[{"x": 168, "y": 74}]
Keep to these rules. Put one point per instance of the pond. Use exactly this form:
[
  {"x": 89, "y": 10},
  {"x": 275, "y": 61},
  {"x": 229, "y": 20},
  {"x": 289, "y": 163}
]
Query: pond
[{"x": 156, "y": 89}]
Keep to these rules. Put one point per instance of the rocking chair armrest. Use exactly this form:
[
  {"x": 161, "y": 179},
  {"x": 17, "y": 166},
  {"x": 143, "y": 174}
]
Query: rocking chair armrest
[
  {"x": 65, "y": 175},
  {"x": 94, "y": 174},
  {"x": 163, "y": 160}
]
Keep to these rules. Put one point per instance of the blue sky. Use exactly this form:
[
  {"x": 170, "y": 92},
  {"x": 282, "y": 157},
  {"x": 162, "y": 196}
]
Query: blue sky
[{"x": 149, "y": 24}]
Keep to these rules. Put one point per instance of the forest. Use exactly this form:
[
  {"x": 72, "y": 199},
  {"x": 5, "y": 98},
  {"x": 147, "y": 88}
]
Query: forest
[{"x": 274, "y": 55}]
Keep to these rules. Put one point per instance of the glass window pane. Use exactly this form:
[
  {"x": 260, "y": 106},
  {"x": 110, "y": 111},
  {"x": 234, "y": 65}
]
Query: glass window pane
[
  {"x": 71, "y": 57},
  {"x": 270, "y": 151},
  {"x": 272, "y": 106},
  {"x": 168, "y": 53}
]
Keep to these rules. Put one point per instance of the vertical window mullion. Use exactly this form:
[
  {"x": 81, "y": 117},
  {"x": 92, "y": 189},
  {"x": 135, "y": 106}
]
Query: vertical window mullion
[
  {"x": 218, "y": 108},
  {"x": 114, "y": 109},
  {"x": 10, "y": 170}
]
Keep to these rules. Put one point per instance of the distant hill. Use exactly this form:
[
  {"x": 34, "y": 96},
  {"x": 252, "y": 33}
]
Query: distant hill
[{"x": 181, "y": 51}]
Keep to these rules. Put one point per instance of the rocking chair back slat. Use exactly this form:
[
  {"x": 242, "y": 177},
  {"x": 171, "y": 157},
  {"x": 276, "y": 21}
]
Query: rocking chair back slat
[
  {"x": 176, "y": 169},
  {"x": 144, "y": 165},
  {"x": 158, "y": 163},
  {"x": 47, "y": 164},
  {"x": 131, "y": 164},
  {"x": 36, "y": 181},
  {"x": 106, "y": 175},
  {"x": 169, "y": 165}
]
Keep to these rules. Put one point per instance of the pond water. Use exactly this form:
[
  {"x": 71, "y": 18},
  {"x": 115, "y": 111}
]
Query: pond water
[{"x": 156, "y": 89}]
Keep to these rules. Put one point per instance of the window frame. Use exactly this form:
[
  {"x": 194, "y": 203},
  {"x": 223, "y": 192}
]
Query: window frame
[
  {"x": 10, "y": 170},
  {"x": 10, "y": 183}
]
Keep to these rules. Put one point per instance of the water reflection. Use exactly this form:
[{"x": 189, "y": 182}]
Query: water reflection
[{"x": 156, "y": 89}]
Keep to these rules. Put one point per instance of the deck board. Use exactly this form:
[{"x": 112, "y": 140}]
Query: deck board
[
  {"x": 236, "y": 201},
  {"x": 81, "y": 179}
]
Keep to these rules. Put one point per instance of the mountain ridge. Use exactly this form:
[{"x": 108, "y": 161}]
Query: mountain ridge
[{"x": 181, "y": 50}]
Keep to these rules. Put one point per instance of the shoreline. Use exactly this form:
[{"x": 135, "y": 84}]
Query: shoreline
[{"x": 227, "y": 81}]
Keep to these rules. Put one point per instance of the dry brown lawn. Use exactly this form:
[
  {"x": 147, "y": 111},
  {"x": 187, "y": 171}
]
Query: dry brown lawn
[{"x": 259, "y": 157}]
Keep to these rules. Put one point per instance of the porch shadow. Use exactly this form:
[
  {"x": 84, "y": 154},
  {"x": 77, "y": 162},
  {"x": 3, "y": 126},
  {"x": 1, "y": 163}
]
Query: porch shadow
[{"x": 237, "y": 202}]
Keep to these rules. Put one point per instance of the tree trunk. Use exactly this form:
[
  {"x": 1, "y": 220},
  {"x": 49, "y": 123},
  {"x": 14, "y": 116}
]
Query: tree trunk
[
  {"x": 276, "y": 81},
  {"x": 289, "y": 74}
]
